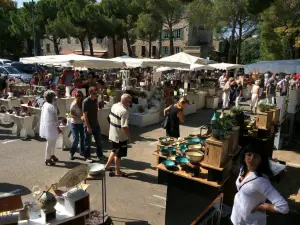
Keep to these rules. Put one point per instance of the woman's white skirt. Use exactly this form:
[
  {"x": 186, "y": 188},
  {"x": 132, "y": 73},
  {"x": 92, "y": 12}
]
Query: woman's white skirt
[{"x": 254, "y": 100}]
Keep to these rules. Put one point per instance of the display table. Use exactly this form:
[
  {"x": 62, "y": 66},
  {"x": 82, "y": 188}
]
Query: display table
[
  {"x": 212, "y": 102},
  {"x": 190, "y": 109},
  {"x": 5, "y": 118},
  {"x": 63, "y": 141},
  {"x": 103, "y": 122},
  {"x": 63, "y": 105},
  {"x": 62, "y": 217},
  {"x": 37, "y": 116},
  {"x": 144, "y": 119},
  {"x": 10, "y": 103},
  {"x": 188, "y": 196},
  {"x": 194, "y": 97},
  {"x": 22, "y": 125},
  {"x": 27, "y": 98}
]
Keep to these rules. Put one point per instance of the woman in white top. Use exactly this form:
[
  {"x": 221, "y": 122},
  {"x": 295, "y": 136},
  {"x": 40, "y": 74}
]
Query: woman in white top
[
  {"x": 254, "y": 96},
  {"x": 77, "y": 124},
  {"x": 254, "y": 188},
  {"x": 49, "y": 127}
]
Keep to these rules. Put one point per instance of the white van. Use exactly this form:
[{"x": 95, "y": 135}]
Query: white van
[{"x": 4, "y": 61}]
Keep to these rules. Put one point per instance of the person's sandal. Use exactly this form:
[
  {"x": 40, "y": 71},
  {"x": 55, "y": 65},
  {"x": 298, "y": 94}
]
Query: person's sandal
[
  {"x": 49, "y": 162},
  {"x": 54, "y": 158}
]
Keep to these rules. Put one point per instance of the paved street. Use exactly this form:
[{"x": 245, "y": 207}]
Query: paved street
[{"x": 131, "y": 201}]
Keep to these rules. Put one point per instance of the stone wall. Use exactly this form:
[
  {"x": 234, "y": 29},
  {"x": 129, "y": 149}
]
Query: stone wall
[{"x": 70, "y": 45}]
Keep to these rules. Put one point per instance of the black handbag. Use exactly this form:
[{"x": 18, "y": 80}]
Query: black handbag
[{"x": 165, "y": 123}]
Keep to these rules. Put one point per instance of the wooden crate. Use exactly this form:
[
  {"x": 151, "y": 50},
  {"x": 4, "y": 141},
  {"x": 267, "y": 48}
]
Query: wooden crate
[
  {"x": 264, "y": 119},
  {"x": 233, "y": 140},
  {"x": 217, "y": 174},
  {"x": 276, "y": 115},
  {"x": 216, "y": 152}
]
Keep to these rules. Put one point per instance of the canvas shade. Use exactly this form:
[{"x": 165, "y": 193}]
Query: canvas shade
[
  {"x": 226, "y": 66},
  {"x": 276, "y": 66},
  {"x": 184, "y": 58},
  {"x": 146, "y": 62},
  {"x": 74, "y": 60}
]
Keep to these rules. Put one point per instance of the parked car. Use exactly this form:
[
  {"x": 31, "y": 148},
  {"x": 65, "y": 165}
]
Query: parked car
[
  {"x": 4, "y": 61},
  {"x": 12, "y": 72},
  {"x": 28, "y": 68}
]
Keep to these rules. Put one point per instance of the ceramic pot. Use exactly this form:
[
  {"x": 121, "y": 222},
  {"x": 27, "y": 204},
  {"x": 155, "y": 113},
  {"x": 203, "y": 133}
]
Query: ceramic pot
[{"x": 47, "y": 201}]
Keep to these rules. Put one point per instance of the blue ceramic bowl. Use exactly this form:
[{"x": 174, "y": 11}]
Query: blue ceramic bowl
[
  {"x": 192, "y": 140},
  {"x": 183, "y": 147},
  {"x": 181, "y": 160},
  {"x": 167, "y": 151},
  {"x": 168, "y": 163}
]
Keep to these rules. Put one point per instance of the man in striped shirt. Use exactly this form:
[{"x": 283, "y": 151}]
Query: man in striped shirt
[{"x": 119, "y": 132}]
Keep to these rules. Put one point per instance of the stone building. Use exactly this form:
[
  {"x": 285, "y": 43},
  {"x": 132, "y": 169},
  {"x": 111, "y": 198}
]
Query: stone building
[
  {"x": 103, "y": 47},
  {"x": 190, "y": 38}
]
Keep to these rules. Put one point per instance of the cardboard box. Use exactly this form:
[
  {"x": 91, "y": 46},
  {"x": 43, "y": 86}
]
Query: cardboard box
[
  {"x": 10, "y": 203},
  {"x": 216, "y": 152}
]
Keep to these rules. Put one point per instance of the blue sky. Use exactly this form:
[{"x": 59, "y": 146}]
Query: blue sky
[{"x": 20, "y": 2}]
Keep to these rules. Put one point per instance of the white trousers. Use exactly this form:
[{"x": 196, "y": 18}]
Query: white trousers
[
  {"x": 50, "y": 148},
  {"x": 237, "y": 101},
  {"x": 271, "y": 99},
  {"x": 254, "y": 100},
  {"x": 225, "y": 99}
]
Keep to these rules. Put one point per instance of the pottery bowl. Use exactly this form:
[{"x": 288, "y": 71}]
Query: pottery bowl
[
  {"x": 167, "y": 151},
  {"x": 195, "y": 157},
  {"x": 166, "y": 140},
  {"x": 181, "y": 160},
  {"x": 168, "y": 163},
  {"x": 194, "y": 147},
  {"x": 96, "y": 168}
]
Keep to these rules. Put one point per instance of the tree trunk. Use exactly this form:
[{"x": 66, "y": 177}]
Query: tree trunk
[
  {"x": 150, "y": 46},
  {"x": 238, "y": 56},
  {"x": 82, "y": 46},
  {"x": 160, "y": 44},
  {"x": 128, "y": 44},
  {"x": 292, "y": 47},
  {"x": 56, "y": 45},
  {"x": 91, "y": 45},
  {"x": 232, "y": 39},
  {"x": 114, "y": 45},
  {"x": 171, "y": 40}
]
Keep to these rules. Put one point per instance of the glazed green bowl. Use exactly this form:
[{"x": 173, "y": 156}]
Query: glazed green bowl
[{"x": 181, "y": 160}]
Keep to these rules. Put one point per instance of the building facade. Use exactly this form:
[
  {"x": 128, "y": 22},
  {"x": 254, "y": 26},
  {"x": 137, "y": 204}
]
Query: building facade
[
  {"x": 190, "y": 38},
  {"x": 103, "y": 47}
]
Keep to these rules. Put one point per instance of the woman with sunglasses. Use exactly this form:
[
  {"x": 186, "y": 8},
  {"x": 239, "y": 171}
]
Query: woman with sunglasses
[
  {"x": 254, "y": 188},
  {"x": 77, "y": 124},
  {"x": 175, "y": 117}
]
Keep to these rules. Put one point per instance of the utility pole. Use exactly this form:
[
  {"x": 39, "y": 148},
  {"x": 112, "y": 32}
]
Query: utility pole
[{"x": 33, "y": 29}]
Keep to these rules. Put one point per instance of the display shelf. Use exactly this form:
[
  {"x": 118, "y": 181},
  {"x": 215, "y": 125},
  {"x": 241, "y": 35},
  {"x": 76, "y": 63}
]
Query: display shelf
[
  {"x": 202, "y": 179},
  {"x": 102, "y": 120},
  {"x": 190, "y": 109},
  {"x": 62, "y": 216}
]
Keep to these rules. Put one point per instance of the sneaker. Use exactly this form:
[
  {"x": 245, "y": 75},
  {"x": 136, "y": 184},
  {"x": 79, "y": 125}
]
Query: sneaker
[
  {"x": 71, "y": 156},
  {"x": 89, "y": 160}
]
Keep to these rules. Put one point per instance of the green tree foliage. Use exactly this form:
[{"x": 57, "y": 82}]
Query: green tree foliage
[
  {"x": 10, "y": 43},
  {"x": 250, "y": 52},
  {"x": 172, "y": 11},
  {"x": 149, "y": 24},
  {"x": 125, "y": 13},
  {"x": 280, "y": 30}
]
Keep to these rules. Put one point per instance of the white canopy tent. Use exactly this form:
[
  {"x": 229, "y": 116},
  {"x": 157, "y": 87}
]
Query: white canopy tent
[
  {"x": 277, "y": 66},
  {"x": 193, "y": 67},
  {"x": 226, "y": 66},
  {"x": 75, "y": 60},
  {"x": 184, "y": 58},
  {"x": 146, "y": 62}
]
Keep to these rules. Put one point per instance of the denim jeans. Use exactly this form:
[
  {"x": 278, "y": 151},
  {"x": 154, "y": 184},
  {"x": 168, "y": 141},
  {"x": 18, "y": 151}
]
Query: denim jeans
[
  {"x": 96, "y": 132},
  {"x": 77, "y": 134}
]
